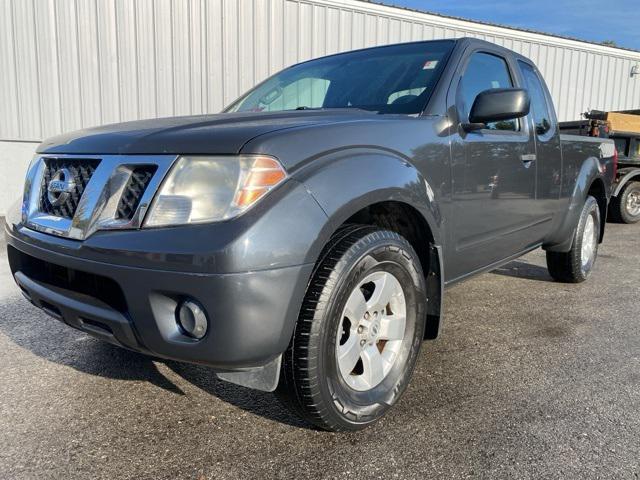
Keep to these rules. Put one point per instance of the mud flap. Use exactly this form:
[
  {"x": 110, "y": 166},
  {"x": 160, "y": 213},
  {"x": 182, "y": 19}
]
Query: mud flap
[
  {"x": 435, "y": 289},
  {"x": 263, "y": 378}
]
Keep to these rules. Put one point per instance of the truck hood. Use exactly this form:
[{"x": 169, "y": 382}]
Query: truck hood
[{"x": 223, "y": 133}]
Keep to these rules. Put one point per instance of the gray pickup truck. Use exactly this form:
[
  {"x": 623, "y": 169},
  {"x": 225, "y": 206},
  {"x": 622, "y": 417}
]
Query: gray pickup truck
[{"x": 301, "y": 241}]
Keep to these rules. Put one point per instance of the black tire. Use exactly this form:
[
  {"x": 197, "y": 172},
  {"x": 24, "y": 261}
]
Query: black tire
[
  {"x": 619, "y": 208},
  {"x": 310, "y": 381},
  {"x": 569, "y": 267}
]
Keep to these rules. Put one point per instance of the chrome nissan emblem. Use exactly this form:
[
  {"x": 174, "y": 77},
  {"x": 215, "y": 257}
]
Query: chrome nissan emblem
[{"x": 60, "y": 187}]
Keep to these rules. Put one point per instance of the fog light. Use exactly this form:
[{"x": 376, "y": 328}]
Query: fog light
[{"x": 192, "y": 319}]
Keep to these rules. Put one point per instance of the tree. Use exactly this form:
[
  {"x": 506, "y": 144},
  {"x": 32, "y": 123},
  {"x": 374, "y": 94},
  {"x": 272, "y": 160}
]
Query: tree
[{"x": 609, "y": 43}]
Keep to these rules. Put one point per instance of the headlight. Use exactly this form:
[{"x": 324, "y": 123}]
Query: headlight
[{"x": 209, "y": 189}]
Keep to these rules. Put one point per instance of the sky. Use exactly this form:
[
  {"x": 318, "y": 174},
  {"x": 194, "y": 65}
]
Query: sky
[{"x": 593, "y": 20}]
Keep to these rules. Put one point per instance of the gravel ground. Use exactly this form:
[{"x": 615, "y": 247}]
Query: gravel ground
[{"x": 530, "y": 379}]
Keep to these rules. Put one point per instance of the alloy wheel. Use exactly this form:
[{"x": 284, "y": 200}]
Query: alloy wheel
[{"x": 372, "y": 330}]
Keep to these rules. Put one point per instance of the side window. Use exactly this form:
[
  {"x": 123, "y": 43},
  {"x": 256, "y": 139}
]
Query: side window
[
  {"x": 307, "y": 92},
  {"x": 539, "y": 105},
  {"x": 485, "y": 71}
]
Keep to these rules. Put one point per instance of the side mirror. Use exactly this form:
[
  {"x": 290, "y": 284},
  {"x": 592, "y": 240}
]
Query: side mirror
[{"x": 498, "y": 104}]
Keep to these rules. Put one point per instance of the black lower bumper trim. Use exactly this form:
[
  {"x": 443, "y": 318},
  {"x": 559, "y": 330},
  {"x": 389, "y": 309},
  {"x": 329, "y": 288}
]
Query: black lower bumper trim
[{"x": 80, "y": 311}]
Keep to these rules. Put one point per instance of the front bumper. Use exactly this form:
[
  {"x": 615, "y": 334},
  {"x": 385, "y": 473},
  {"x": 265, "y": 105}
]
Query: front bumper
[{"x": 251, "y": 314}]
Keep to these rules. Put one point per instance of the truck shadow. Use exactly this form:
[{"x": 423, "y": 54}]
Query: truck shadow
[
  {"x": 528, "y": 271},
  {"x": 264, "y": 404},
  {"x": 53, "y": 341}
]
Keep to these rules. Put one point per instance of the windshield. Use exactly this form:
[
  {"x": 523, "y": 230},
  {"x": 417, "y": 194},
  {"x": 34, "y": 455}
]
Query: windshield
[{"x": 393, "y": 79}]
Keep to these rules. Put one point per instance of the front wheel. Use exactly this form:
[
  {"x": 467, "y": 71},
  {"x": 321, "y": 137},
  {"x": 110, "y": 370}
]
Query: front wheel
[
  {"x": 359, "y": 332},
  {"x": 576, "y": 265}
]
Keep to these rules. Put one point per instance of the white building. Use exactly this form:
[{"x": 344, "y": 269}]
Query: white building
[{"x": 69, "y": 64}]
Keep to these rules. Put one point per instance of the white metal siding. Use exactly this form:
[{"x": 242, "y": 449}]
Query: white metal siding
[{"x": 68, "y": 64}]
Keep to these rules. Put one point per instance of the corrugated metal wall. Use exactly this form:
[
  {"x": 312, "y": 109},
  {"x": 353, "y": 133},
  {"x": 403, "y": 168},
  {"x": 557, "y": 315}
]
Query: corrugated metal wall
[{"x": 67, "y": 64}]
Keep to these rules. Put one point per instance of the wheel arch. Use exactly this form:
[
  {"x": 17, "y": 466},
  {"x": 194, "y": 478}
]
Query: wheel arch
[
  {"x": 588, "y": 181},
  {"x": 626, "y": 179},
  {"x": 380, "y": 188},
  {"x": 389, "y": 193},
  {"x": 407, "y": 221}
]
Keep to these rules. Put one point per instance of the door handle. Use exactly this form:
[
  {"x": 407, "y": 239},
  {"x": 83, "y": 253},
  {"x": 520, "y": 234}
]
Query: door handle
[{"x": 528, "y": 159}]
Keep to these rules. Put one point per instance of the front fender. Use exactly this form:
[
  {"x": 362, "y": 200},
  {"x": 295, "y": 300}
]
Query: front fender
[
  {"x": 562, "y": 239},
  {"x": 345, "y": 182}
]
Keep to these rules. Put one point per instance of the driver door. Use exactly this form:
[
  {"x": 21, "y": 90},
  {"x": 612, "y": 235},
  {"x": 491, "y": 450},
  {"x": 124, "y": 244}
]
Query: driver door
[{"x": 493, "y": 174}]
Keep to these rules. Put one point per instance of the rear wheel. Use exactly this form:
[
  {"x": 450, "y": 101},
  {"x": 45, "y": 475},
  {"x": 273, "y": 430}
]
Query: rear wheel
[
  {"x": 625, "y": 208},
  {"x": 576, "y": 265},
  {"x": 359, "y": 332}
]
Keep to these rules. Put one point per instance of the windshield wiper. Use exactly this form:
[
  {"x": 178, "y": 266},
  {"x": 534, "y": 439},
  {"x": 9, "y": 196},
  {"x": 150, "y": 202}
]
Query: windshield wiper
[{"x": 336, "y": 108}]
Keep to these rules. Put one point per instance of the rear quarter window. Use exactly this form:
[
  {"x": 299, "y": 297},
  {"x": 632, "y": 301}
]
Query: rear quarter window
[{"x": 539, "y": 106}]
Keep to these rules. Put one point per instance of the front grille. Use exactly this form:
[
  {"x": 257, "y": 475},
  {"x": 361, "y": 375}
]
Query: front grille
[
  {"x": 102, "y": 288},
  {"x": 73, "y": 197},
  {"x": 133, "y": 191},
  {"x": 81, "y": 171}
]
